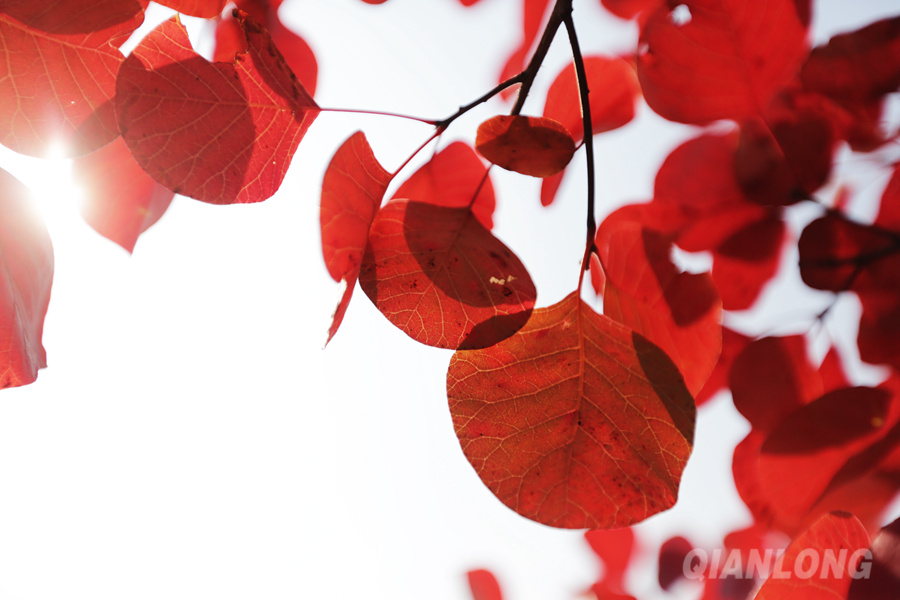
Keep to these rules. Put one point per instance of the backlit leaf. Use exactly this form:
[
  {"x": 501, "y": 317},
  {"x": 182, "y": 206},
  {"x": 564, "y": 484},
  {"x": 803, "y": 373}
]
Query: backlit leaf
[
  {"x": 575, "y": 421},
  {"x": 222, "y": 133},
  {"x": 58, "y": 76},
  {"x": 120, "y": 200},
  {"x": 718, "y": 59},
  {"x": 352, "y": 189},
  {"x": 454, "y": 177},
  {"x": 26, "y": 274},
  {"x": 206, "y": 9},
  {"x": 483, "y": 585},
  {"x": 802, "y": 566},
  {"x": 534, "y": 146},
  {"x": 613, "y": 92},
  {"x": 679, "y": 312},
  {"x": 441, "y": 277}
]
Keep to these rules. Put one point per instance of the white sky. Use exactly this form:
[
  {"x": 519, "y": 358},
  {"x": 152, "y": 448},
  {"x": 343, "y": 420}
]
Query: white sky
[{"x": 191, "y": 439}]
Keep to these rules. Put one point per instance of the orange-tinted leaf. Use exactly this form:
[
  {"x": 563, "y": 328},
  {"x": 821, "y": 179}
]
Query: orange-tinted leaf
[
  {"x": 679, "y": 312},
  {"x": 206, "y": 9},
  {"x": 533, "y": 146},
  {"x": 838, "y": 535},
  {"x": 58, "y": 76},
  {"x": 857, "y": 66},
  {"x": 352, "y": 189},
  {"x": 26, "y": 274},
  {"x": 575, "y": 421},
  {"x": 222, "y": 133},
  {"x": 455, "y": 177},
  {"x": 882, "y": 580},
  {"x": 441, "y": 277},
  {"x": 484, "y": 585},
  {"x": 120, "y": 200},
  {"x": 614, "y": 91},
  {"x": 715, "y": 59},
  {"x": 230, "y": 40}
]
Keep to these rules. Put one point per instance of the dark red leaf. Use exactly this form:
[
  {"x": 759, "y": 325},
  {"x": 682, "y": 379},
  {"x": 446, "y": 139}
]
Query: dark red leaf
[
  {"x": 671, "y": 560},
  {"x": 352, "y": 189},
  {"x": 441, "y": 277},
  {"x": 858, "y": 66},
  {"x": 484, "y": 585},
  {"x": 226, "y": 140},
  {"x": 58, "y": 76},
  {"x": 455, "y": 177},
  {"x": 534, "y": 146},
  {"x": 837, "y": 534},
  {"x": 120, "y": 200},
  {"x": 679, "y": 312},
  {"x": 26, "y": 272},
  {"x": 879, "y": 574},
  {"x": 575, "y": 421},
  {"x": 746, "y": 261},
  {"x": 205, "y": 9},
  {"x": 614, "y": 92},
  {"x": 879, "y": 328},
  {"x": 709, "y": 59}
]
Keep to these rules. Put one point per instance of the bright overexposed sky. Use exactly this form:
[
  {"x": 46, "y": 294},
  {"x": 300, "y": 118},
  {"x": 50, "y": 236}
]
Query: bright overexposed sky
[{"x": 192, "y": 439}]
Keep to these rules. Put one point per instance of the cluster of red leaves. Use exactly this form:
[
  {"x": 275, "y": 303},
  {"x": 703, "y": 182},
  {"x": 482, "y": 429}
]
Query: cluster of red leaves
[{"x": 571, "y": 417}]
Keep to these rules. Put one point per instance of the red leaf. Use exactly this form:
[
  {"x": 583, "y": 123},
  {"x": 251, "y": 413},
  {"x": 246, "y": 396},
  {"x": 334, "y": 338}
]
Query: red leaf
[
  {"x": 733, "y": 343},
  {"x": 746, "y": 261},
  {"x": 671, "y": 560},
  {"x": 226, "y": 140},
  {"x": 58, "y": 76},
  {"x": 804, "y": 453},
  {"x": 352, "y": 189},
  {"x": 455, "y": 177},
  {"x": 615, "y": 91},
  {"x": 26, "y": 273},
  {"x": 858, "y": 66},
  {"x": 230, "y": 40},
  {"x": 679, "y": 312},
  {"x": 837, "y": 535},
  {"x": 882, "y": 580},
  {"x": 533, "y": 146},
  {"x": 533, "y": 12},
  {"x": 575, "y": 421},
  {"x": 205, "y": 9},
  {"x": 484, "y": 585},
  {"x": 120, "y": 200},
  {"x": 879, "y": 328},
  {"x": 629, "y": 9},
  {"x": 771, "y": 378},
  {"x": 719, "y": 60},
  {"x": 441, "y": 277},
  {"x": 614, "y": 547}
]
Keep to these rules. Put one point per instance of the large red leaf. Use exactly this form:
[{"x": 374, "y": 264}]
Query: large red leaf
[
  {"x": 58, "y": 76},
  {"x": 206, "y": 9},
  {"x": 352, "y": 189},
  {"x": 575, "y": 421},
  {"x": 120, "y": 200},
  {"x": 454, "y": 177},
  {"x": 534, "y": 146},
  {"x": 26, "y": 273},
  {"x": 441, "y": 277},
  {"x": 612, "y": 100},
  {"x": 679, "y": 312},
  {"x": 802, "y": 566},
  {"x": 719, "y": 59},
  {"x": 222, "y": 133}
]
